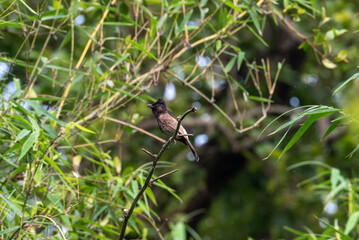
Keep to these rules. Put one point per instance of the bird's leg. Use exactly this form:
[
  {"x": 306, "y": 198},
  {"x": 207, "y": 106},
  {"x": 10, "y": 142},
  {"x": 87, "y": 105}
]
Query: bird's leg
[{"x": 173, "y": 140}]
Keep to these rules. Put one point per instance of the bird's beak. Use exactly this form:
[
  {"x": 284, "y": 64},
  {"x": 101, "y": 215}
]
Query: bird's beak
[{"x": 149, "y": 105}]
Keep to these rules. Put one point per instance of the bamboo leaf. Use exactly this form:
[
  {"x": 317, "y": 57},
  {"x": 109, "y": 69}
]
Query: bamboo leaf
[
  {"x": 334, "y": 177},
  {"x": 39, "y": 110},
  {"x": 184, "y": 22},
  {"x": 255, "y": 20},
  {"x": 230, "y": 65},
  {"x": 8, "y": 230},
  {"x": 22, "y": 134},
  {"x": 29, "y": 143},
  {"x": 352, "y": 222},
  {"x": 240, "y": 59},
  {"x": 342, "y": 234},
  {"x": 150, "y": 194},
  {"x": 141, "y": 48},
  {"x": 355, "y": 76},
  {"x": 260, "y": 99},
  {"x": 29, "y": 8},
  {"x": 291, "y": 122},
  {"x": 12, "y": 205},
  {"x": 161, "y": 21},
  {"x": 259, "y": 37},
  {"x": 119, "y": 61},
  {"x": 302, "y": 130},
  {"x": 82, "y": 128},
  {"x": 333, "y": 126},
  {"x": 231, "y": 5}
]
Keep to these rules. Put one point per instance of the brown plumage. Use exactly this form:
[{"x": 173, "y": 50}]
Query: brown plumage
[{"x": 168, "y": 124}]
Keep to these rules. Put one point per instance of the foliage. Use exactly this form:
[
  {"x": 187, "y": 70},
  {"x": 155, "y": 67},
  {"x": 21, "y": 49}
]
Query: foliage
[{"x": 69, "y": 68}]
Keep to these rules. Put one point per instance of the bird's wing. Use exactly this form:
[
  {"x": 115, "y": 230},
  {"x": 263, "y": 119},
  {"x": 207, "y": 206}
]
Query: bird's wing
[{"x": 170, "y": 123}]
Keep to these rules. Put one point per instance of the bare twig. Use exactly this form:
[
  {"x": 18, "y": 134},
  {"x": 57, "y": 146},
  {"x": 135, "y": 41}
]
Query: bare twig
[
  {"x": 163, "y": 175},
  {"x": 149, "y": 153},
  {"x": 134, "y": 127},
  {"x": 185, "y": 135},
  {"x": 127, "y": 213}
]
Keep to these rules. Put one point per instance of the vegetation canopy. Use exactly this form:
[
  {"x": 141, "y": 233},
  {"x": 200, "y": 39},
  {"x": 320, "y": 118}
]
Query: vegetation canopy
[{"x": 274, "y": 87}]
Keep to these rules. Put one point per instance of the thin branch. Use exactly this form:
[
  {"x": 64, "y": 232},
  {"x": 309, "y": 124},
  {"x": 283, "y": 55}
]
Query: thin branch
[
  {"x": 163, "y": 175},
  {"x": 127, "y": 213},
  {"x": 185, "y": 135},
  {"x": 134, "y": 127}
]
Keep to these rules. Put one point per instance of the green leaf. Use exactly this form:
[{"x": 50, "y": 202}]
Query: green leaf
[
  {"x": 22, "y": 134},
  {"x": 107, "y": 229},
  {"x": 333, "y": 33},
  {"x": 66, "y": 39},
  {"x": 86, "y": 33},
  {"x": 343, "y": 235},
  {"x": 334, "y": 125},
  {"x": 161, "y": 184},
  {"x": 238, "y": 84},
  {"x": 352, "y": 222},
  {"x": 240, "y": 59},
  {"x": 257, "y": 36},
  {"x": 54, "y": 14},
  {"x": 184, "y": 22},
  {"x": 29, "y": 8},
  {"x": 342, "y": 56},
  {"x": 231, "y": 5},
  {"x": 47, "y": 98},
  {"x": 2, "y": 157},
  {"x": 291, "y": 122},
  {"x": 12, "y": 205},
  {"x": 218, "y": 45},
  {"x": 17, "y": 84},
  {"x": 354, "y": 151},
  {"x": 161, "y": 21},
  {"x": 355, "y": 76},
  {"x": 34, "y": 124},
  {"x": 119, "y": 61},
  {"x": 320, "y": 109},
  {"x": 334, "y": 177},
  {"x": 179, "y": 231},
  {"x": 260, "y": 99},
  {"x": 153, "y": 28},
  {"x": 7, "y": 230},
  {"x": 55, "y": 166},
  {"x": 254, "y": 17},
  {"x": 229, "y": 65},
  {"x": 82, "y": 128},
  {"x": 292, "y": 230},
  {"x": 141, "y": 48},
  {"x": 28, "y": 144},
  {"x": 39, "y": 110},
  {"x": 280, "y": 141},
  {"x": 222, "y": 17},
  {"x": 150, "y": 194},
  {"x": 328, "y": 64},
  {"x": 302, "y": 130},
  {"x": 305, "y": 46}
]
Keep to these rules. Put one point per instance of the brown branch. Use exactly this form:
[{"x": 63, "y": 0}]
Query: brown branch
[
  {"x": 163, "y": 175},
  {"x": 127, "y": 213}
]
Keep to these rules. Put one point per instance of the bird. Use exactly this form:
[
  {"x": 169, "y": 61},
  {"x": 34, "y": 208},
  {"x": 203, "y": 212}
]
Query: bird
[{"x": 168, "y": 124}]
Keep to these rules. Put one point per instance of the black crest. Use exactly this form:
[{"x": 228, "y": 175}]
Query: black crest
[{"x": 158, "y": 107}]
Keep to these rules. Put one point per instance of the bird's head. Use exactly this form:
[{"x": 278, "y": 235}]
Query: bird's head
[{"x": 158, "y": 107}]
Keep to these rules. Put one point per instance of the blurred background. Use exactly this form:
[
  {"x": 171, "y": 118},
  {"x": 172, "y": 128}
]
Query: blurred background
[{"x": 76, "y": 77}]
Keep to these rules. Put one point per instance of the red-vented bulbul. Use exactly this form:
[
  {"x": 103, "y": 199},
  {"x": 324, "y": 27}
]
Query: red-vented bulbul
[{"x": 168, "y": 124}]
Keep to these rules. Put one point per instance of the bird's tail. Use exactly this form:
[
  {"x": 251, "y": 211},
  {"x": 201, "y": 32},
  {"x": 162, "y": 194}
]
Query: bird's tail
[{"x": 192, "y": 150}]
